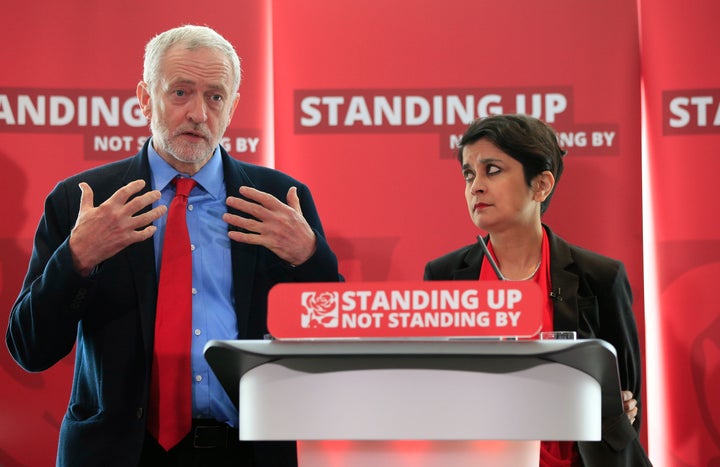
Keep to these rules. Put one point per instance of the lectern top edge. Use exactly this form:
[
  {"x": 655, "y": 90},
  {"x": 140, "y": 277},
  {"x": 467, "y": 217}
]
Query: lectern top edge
[{"x": 231, "y": 359}]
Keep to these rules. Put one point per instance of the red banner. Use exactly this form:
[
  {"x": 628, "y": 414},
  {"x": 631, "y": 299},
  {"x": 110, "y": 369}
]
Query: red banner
[
  {"x": 369, "y": 107},
  {"x": 405, "y": 310},
  {"x": 682, "y": 93},
  {"x": 67, "y": 103}
]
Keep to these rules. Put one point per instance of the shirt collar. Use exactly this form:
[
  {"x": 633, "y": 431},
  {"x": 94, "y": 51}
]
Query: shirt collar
[{"x": 209, "y": 178}]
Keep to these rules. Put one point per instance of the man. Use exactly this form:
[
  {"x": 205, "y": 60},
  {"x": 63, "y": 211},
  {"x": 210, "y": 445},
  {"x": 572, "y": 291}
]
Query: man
[{"x": 93, "y": 276}]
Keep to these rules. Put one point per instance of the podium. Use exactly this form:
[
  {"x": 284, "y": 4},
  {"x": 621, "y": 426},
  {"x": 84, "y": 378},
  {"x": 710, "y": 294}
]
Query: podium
[{"x": 419, "y": 402}]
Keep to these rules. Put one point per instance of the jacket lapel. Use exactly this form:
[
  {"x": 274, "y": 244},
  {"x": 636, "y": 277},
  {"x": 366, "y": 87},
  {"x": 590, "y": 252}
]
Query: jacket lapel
[
  {"x": 141, "y": 256},
  {"x": 564, "y": 285},
  {"x": 473, "y": 261},
  {"x": 244, "y": 256}
]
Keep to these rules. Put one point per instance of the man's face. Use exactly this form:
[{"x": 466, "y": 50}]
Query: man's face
[{"x": 190, "y": 106}]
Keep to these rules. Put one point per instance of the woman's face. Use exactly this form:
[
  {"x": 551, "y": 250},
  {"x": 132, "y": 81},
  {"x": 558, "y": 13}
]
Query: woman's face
[{"x": 497, "y": 195}]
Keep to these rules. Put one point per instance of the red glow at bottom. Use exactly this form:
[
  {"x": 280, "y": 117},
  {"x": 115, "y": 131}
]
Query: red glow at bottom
[{"x": 417, "y": 453}]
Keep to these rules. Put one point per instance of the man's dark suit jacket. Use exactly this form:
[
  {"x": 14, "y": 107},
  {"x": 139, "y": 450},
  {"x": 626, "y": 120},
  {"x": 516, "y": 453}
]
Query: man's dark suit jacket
[
  {"x": 593, "y": 298},
  {"x": 111, "y": 315}
]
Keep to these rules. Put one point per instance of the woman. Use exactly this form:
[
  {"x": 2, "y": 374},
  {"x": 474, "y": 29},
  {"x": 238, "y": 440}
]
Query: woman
[{"x": 511, "y": 165}]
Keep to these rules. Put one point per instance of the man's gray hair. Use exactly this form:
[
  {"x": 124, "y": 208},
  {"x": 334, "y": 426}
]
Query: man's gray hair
[{"x": 192, "y": 37}]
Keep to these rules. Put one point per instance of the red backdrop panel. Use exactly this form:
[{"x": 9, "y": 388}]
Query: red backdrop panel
[
  {"x": 69, "y": 49},
  {"x": 680, "y": 43},
  {"x": 389, "y": 188},
  {"x": 399, "y": 187}
]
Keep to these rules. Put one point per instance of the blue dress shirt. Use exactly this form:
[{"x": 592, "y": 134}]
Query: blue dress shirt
[{"x": 213, "y": 313}]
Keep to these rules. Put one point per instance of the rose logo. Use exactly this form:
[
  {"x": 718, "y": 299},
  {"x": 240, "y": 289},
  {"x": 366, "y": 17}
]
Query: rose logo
[{"x": 322, "y": 310}]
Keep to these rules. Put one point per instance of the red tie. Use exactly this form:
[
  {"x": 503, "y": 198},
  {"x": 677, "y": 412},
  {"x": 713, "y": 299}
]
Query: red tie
[{"x": 169, "y": 415}]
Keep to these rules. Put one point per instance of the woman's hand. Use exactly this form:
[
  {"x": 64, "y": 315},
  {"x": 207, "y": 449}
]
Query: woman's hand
[{"x": 630, "y": 406}]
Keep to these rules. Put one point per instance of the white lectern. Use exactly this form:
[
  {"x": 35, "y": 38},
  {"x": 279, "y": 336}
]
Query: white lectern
[{"x": 453, "y": 402}]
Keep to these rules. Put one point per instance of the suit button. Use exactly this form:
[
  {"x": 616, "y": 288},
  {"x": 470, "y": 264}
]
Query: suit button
[{"x": 140, "y": 412}]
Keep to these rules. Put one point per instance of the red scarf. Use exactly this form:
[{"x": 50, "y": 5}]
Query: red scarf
[{"x": 552, "y": 453}]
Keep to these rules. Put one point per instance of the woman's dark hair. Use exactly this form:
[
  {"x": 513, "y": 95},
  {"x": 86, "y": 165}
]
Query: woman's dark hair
[{"x": 526, "y": 139}]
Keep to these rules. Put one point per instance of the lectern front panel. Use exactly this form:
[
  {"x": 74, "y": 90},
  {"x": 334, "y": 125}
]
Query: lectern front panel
[{"x": 404, "y": 398}]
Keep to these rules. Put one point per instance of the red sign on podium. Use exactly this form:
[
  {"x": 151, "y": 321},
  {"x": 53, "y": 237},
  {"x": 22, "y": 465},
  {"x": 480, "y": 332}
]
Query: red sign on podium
[{"x": 436, "y": 309}]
